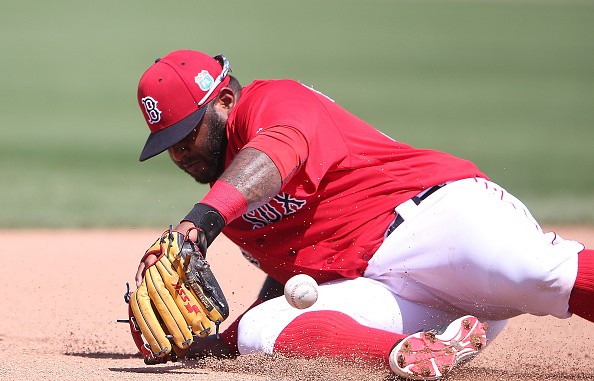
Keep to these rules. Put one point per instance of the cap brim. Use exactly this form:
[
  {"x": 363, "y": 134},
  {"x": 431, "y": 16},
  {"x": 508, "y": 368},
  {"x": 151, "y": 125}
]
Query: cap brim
[{"x": 162, "y": 140}]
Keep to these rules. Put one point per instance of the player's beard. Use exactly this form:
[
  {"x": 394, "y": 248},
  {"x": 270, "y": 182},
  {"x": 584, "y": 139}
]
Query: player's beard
[{"x": 214, "y": 151}]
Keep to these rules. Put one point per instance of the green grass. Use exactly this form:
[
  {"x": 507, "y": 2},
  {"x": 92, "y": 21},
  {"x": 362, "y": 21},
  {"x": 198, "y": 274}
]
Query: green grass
[{"x": 507, "y": 84}]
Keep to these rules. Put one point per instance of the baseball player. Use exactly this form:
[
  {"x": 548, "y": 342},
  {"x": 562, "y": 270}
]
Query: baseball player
[{"x": 400, "y": 239}]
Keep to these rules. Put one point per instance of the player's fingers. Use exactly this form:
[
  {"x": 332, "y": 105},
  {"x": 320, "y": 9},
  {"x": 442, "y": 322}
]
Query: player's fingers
[
  {"x": 148, "y": 261},
  {"x": 140, "y": 274}
]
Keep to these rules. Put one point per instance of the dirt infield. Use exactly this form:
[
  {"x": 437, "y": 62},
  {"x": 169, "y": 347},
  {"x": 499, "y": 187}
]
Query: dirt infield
[{"x": 59, "y": 309}]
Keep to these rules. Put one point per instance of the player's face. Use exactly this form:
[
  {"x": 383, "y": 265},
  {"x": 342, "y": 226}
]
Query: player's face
[{"x": 201, "y": 154}]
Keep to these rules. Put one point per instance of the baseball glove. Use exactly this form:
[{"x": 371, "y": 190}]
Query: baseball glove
[{"x": 179, "y": 299}]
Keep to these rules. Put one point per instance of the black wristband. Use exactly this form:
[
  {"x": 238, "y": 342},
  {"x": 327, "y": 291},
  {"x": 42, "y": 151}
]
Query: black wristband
[{"x": 208, "y": 219}]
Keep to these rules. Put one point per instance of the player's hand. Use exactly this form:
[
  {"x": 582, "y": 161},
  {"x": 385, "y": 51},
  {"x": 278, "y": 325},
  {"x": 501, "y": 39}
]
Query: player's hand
[
  {"x": 148, "y": 261},
  {"x": 186, "y": 226},
  {"x": 151, "y": 259}
]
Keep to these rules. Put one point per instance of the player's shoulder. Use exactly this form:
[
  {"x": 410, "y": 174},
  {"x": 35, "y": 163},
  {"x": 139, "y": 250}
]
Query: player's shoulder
[
  {"x": 275, "y": 93},
  {"x": 275, "y": 85}
]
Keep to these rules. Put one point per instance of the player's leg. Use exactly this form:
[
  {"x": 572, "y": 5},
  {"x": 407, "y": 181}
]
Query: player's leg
[
  {"x": 424, "y": 355},
  {"x": 474, "y": 247},
  {"x": 336, "y": 335},
  {"x": 270, "y": 289},
  {"x": 581, "y": 300},
  {"x": 353, "y": 319}
]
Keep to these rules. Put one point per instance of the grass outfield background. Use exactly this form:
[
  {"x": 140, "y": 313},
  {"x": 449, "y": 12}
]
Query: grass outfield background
[{"x": 507, "y": 84}]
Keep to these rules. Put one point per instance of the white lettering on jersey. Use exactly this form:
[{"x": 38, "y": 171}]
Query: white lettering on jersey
[{"x": 283, "y": 204}]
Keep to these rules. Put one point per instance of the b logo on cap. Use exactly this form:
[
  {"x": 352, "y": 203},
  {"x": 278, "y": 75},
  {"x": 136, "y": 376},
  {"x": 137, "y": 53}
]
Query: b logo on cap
[
  {"x": 152, "y": 112},
  {"x": 204, "y": 80}
]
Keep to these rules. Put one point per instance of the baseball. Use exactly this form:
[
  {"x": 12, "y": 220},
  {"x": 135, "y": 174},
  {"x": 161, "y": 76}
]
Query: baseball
[{"x": 301, "y": 291}]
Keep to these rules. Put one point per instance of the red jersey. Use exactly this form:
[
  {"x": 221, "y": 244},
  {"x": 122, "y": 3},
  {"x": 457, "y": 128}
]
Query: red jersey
[{"x": 332, "y": 213}]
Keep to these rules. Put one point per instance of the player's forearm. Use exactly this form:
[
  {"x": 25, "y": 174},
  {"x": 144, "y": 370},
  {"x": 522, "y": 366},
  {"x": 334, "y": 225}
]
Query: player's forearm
[
  {"x": 255, "y": 176},
  {"x": 250, "y": 181}
]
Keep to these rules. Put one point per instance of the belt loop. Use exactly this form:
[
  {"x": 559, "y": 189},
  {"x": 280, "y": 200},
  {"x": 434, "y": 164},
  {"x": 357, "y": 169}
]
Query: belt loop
[{"x": 407, "y": 207}]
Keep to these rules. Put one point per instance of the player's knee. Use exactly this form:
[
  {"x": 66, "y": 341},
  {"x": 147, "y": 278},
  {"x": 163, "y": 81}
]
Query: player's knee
[
  {"x": 250, "y": 333},
  {"x": 260, "y": 326}
]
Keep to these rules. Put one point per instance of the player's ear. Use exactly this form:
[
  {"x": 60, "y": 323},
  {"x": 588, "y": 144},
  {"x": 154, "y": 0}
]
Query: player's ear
[{"x": 226, "y": 98}]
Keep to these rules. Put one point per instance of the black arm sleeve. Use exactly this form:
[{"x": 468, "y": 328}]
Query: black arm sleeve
[{"x": 208, "y": 219}]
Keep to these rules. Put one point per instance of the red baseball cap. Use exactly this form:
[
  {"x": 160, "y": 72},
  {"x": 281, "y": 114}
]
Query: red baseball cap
[{"x": 173, "y": 95}]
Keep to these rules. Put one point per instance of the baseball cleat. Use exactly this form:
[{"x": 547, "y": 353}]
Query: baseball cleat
[{"x": 432, "y": 354}]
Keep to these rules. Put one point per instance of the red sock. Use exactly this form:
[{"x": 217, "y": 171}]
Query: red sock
[
  {"x": 335, "y": 335},
  {"x": 581, "y": 301}
]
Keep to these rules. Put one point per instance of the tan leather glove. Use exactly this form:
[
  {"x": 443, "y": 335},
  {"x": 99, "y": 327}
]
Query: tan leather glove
[{"x": 179, "y": 299}]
